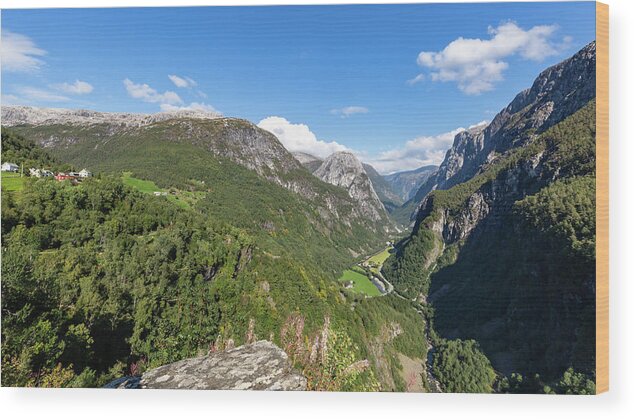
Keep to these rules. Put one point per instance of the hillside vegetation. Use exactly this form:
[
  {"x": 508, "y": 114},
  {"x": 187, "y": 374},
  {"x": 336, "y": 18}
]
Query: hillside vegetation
[
  {"x": 101, "y": 280},
  {"x": 227, "y": 191}
]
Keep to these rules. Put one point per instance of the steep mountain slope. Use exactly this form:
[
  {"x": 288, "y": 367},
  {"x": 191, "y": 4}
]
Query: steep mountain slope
[
  {"x": 288, "y": 209},
  {"x": 407, "y": 183},
  {"x": 505, "y": 254},
  {"x": 557, "y": 92},
  {"x": 232, "y": 138},
  {"x": 383, "y": 190},
  {"x": 108, "y": 146},
  {"x": 343, "y": 169}
]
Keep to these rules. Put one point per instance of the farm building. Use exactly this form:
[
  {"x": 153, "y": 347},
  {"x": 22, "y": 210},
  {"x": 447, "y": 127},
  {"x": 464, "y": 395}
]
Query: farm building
[{"x": 10, "y": 167}]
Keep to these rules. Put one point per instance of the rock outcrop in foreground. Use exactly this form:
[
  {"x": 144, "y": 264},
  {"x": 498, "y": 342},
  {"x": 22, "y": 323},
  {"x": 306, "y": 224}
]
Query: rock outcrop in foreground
[{"x": 258, "y": 366}]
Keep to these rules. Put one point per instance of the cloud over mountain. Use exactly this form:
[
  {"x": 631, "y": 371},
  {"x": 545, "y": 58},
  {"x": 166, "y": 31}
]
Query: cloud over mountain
[
  {"x": 421, "y": 151},
  {"x": 147, "y": 94},
  {"x": 299, "y": 138},
  {"x": 477, "y": 64}
]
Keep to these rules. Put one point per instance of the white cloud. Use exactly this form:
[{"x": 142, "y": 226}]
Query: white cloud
[
  {"x": 299, "y": 138},
  {"x": 182, "y": 82},
  {"x": 419, "y": 78},
  {"x": 39, "y": 95},
  {"x": 476, "y": 64},
  {"x": 77, "y": 88},
  {"x": 148, "y": 94},
  {"x": 421, "y": 151},
  {"x": 194, "y": 106},
  {"x": 349, "y": 110},
  {"x": 19, "y": 53}
]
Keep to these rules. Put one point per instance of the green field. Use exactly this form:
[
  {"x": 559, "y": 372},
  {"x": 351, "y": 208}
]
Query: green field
[
  {"x": 380, "y": 257},
  {"x": 361, "y": 283},
  {"x": 142, "y": 185},
  {"x": 12, "y": 181},
  {"x": 377, "y": 260},
  {"x": 183, "y": 198}
]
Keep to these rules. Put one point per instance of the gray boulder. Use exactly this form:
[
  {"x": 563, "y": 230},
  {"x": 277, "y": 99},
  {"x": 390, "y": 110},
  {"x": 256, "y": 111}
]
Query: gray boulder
[{"x": 258, "y": 366}]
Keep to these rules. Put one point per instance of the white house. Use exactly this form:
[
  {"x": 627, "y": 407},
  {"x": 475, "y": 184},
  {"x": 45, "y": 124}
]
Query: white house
[
  {"x": 84, "y": 173},
  {"x": 10, "y": 167}
]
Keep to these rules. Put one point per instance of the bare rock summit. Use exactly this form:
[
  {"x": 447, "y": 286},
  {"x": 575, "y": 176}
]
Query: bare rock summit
[{"x": 343, "y": 169}]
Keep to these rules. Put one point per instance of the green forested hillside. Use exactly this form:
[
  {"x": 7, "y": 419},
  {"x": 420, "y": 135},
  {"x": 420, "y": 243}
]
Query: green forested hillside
[
  {"x": 460, "y": 366},
  {"x": 227, "y": 191},
  {"x": 22, "y": 151},
  {"x": 100, "y": 280}
]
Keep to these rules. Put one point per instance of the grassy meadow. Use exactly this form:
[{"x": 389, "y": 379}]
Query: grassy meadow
[{"x": 360, "y": 283}]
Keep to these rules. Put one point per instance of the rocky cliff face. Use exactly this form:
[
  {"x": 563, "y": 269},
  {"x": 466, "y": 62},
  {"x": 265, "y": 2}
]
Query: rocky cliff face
[
  {"x": 558, "y": 92},
  {"x": 343, "y": 169},
  {"x": 258, "y": 366},
  {"x": 383, "y": 189}
]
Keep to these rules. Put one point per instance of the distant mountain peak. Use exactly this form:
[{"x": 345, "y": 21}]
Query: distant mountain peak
[
  {"x": 406, "y": 183},
  {"x": 558, "y": 91},
  {"x": 345, "y": 170}
]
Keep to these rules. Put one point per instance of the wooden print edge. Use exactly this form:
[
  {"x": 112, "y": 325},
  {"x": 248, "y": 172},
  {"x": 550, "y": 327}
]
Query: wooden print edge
[{"x": 602, "y": 196}]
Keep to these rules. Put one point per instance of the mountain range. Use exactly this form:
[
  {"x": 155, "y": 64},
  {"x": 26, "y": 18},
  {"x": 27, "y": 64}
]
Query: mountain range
[
  {"x": 503, "y": 241},
  {"x": 493, "y": 284}
]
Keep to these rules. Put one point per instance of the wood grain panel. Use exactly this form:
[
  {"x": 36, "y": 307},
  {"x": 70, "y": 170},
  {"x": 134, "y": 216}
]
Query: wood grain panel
[{"x": 602, "y": 141}]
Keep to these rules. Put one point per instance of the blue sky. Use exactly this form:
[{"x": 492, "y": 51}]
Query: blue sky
[{"x": 390, "y": 82}]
